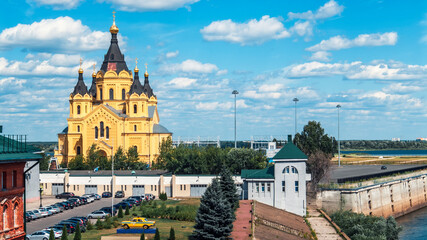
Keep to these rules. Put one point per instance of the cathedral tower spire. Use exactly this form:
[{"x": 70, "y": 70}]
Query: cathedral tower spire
[
  {"x": 114, "y": 59},
  {"x": 80, "y": 86},
  {"x": 147, "y": 88},
  {"x": 92, "y": 89}
]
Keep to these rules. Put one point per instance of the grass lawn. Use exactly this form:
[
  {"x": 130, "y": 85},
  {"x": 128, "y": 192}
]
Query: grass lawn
[{"x": 182, "y": 229}]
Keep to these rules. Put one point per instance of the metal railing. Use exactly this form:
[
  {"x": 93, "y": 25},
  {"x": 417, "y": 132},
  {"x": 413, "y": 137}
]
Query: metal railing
[{"x": 13, "y": 143}]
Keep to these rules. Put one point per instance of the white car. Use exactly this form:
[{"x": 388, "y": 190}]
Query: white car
[
  {"x": 89, "y": 198},
  {"x": 98, "y": 214},
  {"x": 43, "y": 209},
  {"x": 39, "y": 235},
  {"x": 53, "y": 210},
  {"x": 43, "y": 213},
  {"x": 56, "y": 232}
]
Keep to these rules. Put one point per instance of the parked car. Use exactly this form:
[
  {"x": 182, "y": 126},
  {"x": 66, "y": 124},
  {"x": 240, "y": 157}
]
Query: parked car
[
  {"x": 106, "y": 195},
  {"x": 56, "y": 232},
  {"x": 89, "y": 198},
  {"x": 133, "y": 201},
  {"x": 76, "y": 201},
  {"x": 80, "y": 219},
  {"x": 98, "y": 214},
  {"x": 149, "y": 196},
  {"x": 97, "y": 196},
  {"x": 43, "y": 212},
  {"x": 119, "y": 194},
  {"x": 71, "y": 204},
  {"x": 123, "y": 204},
  {"x": 32, "y": 215},
  {"x": 138, "y": 222},
  {"x": 53, "y": 210},
  {"x": 66, "y": 195},
  {"x": 38, "y": 213},
  {"x": 49, "y": 213},
  {"x": 83, "y": 200},
  {"x": 71, "y": 227},
  {"x": 137, "y": 198},
  {"x": 39, "y": 235},
  {"x": 108, "y": 210},
  {"x": 28, "y": 217},
  {"x": 59, "y": 206},
  {"x": 76, "y": 221},
  {"x": 84, "y": 219}
]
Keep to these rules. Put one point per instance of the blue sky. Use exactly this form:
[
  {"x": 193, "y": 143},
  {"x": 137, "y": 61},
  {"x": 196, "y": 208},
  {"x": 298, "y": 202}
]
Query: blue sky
[{"x": 368, "y": 56}]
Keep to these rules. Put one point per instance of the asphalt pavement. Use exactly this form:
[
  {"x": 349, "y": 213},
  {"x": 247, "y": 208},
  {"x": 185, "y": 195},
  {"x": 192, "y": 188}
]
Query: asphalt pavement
[{"x": 83, "y": 210}]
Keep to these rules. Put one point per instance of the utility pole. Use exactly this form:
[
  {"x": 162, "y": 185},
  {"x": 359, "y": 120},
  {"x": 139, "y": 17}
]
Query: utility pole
[
  {"x": 295, "y": 100},
  {"x": 235, "y": 92},
  {"x": 339, "y": 145}
]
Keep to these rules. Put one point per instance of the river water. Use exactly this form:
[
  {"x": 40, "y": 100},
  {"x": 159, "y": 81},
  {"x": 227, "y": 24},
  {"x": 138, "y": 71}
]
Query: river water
[{"x": 414, "y": 225}]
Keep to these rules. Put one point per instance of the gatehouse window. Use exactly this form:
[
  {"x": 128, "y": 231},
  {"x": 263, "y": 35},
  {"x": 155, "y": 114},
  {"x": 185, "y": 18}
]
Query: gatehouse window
[
  {"x": 257, "y": 187},
  {"x": 78, "y": 109},
  {"x": 286, "y": 170},
  {"x": 268, "y": 187},
  {"x": 96, "y": 132},
  {"x": 101, "y": 128},
  {"x": 296, "y": 186},
  {"x": 283, "y": 186},
  {"x": 263, "y": 187},
  {"x": 123, "y": 94},
  {"x": 111, "y": 94},
  {"x": 136, "y": 148},
  {"x": 108, "y": 132},
  {"x": 294, "y": 170},
  {"x": 135, "y": 109},
  {"x": 78, "y": 150}
]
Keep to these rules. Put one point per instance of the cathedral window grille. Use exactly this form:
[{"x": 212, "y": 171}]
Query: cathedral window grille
[
  {"x": 101, "y": 128},
  {"x": 135, "y": 108},
  {"x": 134, "y": 128},
  {"x": 107, "y": 129},
  {"x": 96, "y": 132},
  {"x": 111, "y": 94},
  {"x": 123, "y": 94},
  {"x": 78, "y": 150},
  {"x": 136, "y": 149},
  {"x": 78, "y": 109},
  {"x": 100, "y": 93},
  {"x": 78, "y": 128}
]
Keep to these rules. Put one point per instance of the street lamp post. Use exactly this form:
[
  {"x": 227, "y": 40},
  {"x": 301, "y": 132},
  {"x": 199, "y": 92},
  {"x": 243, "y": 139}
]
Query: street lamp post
[
  {"x": 339, "y": 145},
  {"x": 41, "y": 190},
  {"x": 235, "y": 92},
  {"x": 295, "y": 100}
]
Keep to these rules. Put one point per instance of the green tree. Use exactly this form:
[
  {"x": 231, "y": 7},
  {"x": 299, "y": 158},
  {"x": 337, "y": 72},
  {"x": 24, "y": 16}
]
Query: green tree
[
  {"x": 127, "y": 210},
  {"x": 77, "y": 234},
  {"x": 120, "y": 214},
  {"x": 64, "y": 233},
  {"x": 228, "y": 188},
  {"x": 165, "y": 149},
  {"x": 172, "y": 234},
  {"x": 392, "y": 231},
  {"x": 157, "y": 235},
  {"x": 51, "y": 235},
  {"x": 77, "y": 163},
  {"x": 120, "y": 159},
  {"x": 163, "y": 196},
  {"x": 93, "y": 157},
  {"x": 245, "y": 158},
  {"x": 132, "y": 161},
  {"x": 142, "y": 236},
  {"x": 44, "y": 162},
  {"x": 99, "y": 224},
  {"x": 214, "y": 218}
]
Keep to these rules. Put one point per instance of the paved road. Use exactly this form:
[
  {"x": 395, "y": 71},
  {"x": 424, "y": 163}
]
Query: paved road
[{"x": 84, "y": 210}]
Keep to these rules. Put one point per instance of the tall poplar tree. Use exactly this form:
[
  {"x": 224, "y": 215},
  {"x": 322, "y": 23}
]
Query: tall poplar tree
[
  {"x": 229, "y": 189},
  {"x": 214, "y": 218}
]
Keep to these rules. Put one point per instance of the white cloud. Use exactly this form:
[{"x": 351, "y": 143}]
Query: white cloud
[
  {"x": 149, "y": 5},
  {"x": 358, "y": 70},
  {"x": 321, "y": 56},
  {"x": 330, "y": 9},
  {"x": 401, "y": 88},
  {"x": 56, "y": 59},
  {"x": 264, "y": 95},
  {"x": 172, "y": 54},
  {"x": 363, "y": 40},
  {"x": 11, "y": 82},
  {"x": 182, "y": 82},
  {"x": 57, "y": 4},
  {"x": 189, "y": 66},
  {"x": 271, "y": 87},
  {"x": 249, "y": 33},
  {"x": 209, "y": 106},
  {"x": 62, "y": 34},
  {"x": 303, "y": 28}
]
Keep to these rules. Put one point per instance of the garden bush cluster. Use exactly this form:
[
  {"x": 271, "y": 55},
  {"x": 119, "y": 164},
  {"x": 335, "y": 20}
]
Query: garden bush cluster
[{"x": 180, "y": 213}]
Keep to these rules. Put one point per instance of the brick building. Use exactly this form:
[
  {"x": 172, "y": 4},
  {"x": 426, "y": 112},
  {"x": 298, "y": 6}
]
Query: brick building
[{"x": 14, "y": 154}]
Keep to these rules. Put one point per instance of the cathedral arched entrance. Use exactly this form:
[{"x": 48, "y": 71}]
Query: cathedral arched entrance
[{"x": 102, "y": 153}]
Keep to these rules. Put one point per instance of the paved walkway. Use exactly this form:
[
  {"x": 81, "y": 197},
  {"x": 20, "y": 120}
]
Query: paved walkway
[
  {"x": 46, "y": 201},
  {"x": 323, "y": 229},
  {"x": 242, "y": 226}
]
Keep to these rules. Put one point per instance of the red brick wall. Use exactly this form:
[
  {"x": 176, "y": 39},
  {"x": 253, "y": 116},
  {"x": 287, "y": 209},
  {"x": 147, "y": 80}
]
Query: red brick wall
[{"x": 11, "y": 202}]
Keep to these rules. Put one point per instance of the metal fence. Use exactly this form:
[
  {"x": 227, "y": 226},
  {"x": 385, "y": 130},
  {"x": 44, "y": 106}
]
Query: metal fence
[{"x": 13, "y": 143}]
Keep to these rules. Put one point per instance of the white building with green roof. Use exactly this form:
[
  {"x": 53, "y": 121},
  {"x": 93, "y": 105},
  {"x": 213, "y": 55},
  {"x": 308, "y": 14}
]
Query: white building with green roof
[{"x": 282, "y": 185}]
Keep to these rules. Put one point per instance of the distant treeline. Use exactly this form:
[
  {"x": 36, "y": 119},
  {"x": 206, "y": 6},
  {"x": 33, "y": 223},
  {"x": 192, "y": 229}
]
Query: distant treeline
[{"x": 381, "y": 144}]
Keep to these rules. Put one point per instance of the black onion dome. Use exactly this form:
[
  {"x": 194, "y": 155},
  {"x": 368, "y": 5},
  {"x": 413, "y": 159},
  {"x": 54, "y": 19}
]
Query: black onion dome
[
  {"x": 114, "y": 59},
  {"x": 80, "y": 86},
  {"x": 147, "y": 88},
  {"x": 92, "y": 89},
  {"x": 136, "y": 86}
]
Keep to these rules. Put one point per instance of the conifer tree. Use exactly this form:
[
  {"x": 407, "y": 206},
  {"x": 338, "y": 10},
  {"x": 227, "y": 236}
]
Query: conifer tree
[
  {"x": 78, "y": 234},
  {"x": 51, "y": 235},
  {"x": 142, "y": 236},
  {"x": 214, "y": 218},
  {"x": 229, "y": 189},
  {"x": 127, "y": 210},
  {"x": 64, "y": 233},
  {"x": 120, "y": 214},
  {"x": 172, "y": 234},
  {"x": 157, "y": 235}
]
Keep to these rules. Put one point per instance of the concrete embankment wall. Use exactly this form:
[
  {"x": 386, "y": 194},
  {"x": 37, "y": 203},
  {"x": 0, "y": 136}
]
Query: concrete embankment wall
[{"x": 394, "y": 198}]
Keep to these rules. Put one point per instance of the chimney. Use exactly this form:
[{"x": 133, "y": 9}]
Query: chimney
[{"x": 289, "y": 138}]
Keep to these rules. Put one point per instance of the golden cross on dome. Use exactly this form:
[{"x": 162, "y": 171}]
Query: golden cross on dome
[
  {"x": 81, "y": 60},
  {"x": 114, "y": 16},
  {"x": 94, "y": 67},
  {"x": 136, "y": 61},
  {"x": 146, "y": 67}
]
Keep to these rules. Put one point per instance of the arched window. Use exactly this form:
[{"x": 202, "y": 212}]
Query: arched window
[
  {"x": 134, "y": 128},
  {"x": 100, "y": 93},
  {"x": 101, "y": 128},
  {"x": 294, "y": 170},
  {"x": 136, "y": 149},
  {"x": 85, "y": 109},
  {"x": 135, "y": 108},
  {"x": 111, "y": 94},
  {"x": 286, "y": 170},
  {"x": 15, "y": 215},
  {"x": 96, "y": 132},
  {"x": 123, "y": 94},
  {"x": 5, "y": 223},
  {"x": 78, "y": 109},
  {"x": 107, "y": 129},
  {"x": 78, "y": 150},
  {"x": 78, "y": 128}
]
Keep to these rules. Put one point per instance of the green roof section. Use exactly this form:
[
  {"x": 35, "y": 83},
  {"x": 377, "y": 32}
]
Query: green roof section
[
  {"x": 14, "y": 147},
  {"x": 266, "y": 173},
  {"x": 290, "y": 151}
]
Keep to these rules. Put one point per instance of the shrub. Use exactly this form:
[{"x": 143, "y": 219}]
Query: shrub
[
  {"x": 157, "y": 235},
  {"x": 163, "y": 196},
  {"x": 172, "y": 234},
  {"x": 64, "y": 233},
  {"x": 89, "y": 226},
  {"x": 142, "y": 236},
  {"x": 51, "y": 235},
  {"x": 155, "y": 204},
  {"x": 127, "y": 210},
  {"x": 99, "y": 225},
  {"x": 120, "y": 214}
]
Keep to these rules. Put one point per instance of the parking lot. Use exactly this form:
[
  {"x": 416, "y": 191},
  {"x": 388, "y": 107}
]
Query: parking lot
[{"x": 83, "y": 210}]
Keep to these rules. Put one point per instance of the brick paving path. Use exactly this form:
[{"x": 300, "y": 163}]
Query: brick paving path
[{"x": 242, "y": 226}]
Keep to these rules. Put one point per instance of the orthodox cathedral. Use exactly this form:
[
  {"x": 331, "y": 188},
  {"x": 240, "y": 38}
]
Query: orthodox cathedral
[{"x": 117, "y": 111}]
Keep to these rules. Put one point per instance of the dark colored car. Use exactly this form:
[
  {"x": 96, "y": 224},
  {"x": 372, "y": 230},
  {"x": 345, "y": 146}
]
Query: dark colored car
[
  {"x": 83, "y": 219},
  {"x": 62, "y": 205},
  {"x": 66, "y": 195},
  {"x": 106, "y": 195},
  {"x": 28, "y": 218},
  {"x": 129, "y": 203},
  {"x": 124, "y": 205},
  {"x": 83, "y": 200},
  {"x": 76, "y": 201},
  {"x": 119, "y": 194},
  {"x": 76, "y": 221},
  {"x": 383, "y": 167},
  {"x": 108, "y": 210},
  {"x": 71, "y": 227},
  {"x": 70, "y": 204},
  {"x": 131, "y": 200},
  {"x": 137, "y": 198}
]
